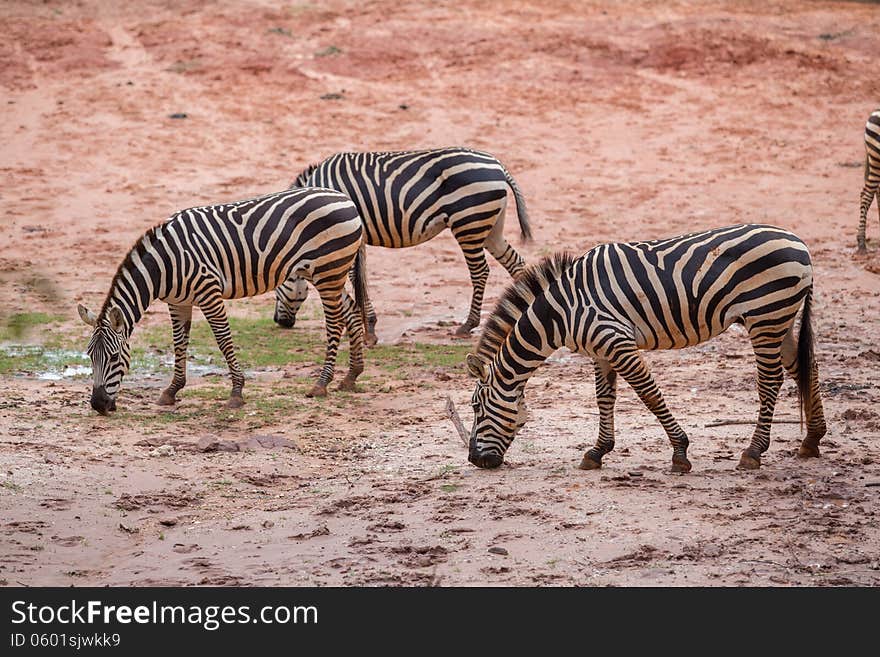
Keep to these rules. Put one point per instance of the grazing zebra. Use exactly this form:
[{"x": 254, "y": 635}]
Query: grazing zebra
[
  {"x": 203, "y": 255},
  {"x": 406, "y": 198},
  {"x": 665, "y": 294},
  {"x": 872, "y": 175}
]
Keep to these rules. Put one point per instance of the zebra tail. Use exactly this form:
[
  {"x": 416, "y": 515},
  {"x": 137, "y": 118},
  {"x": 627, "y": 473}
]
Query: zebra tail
[
  {"x": 805, "y": 356},
  {"x": 521, "y": 212},
  {"x": 360, "y": 285}
]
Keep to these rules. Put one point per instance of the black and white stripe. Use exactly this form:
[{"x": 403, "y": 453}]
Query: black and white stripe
[
  {"x": 666, "y": 294},
  {"x": 407, "y": 198},
  {"x": 872, "y": 175},
  {"x": 203, "y": 255}
]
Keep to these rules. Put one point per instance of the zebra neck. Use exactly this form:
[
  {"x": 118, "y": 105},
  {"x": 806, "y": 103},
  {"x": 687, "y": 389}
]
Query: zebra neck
[
  {"x": 135, "y": 285},
  {"x": 526, "y": 348}
]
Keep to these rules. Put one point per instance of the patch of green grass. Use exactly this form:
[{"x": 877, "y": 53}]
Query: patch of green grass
[
  {"x": 53, "y": 350},
  {"x": 19, "y": 325},
  {"x": 391, "y": 357},
  {"x": 258, "y": 343},
  {"x": 449, "y": 488},
  {"x": 328, "y": 51},
  {"x": 283, "y": 31},
  {"x": 183, "y": 66},
  {"x": 10, "y": 485}
]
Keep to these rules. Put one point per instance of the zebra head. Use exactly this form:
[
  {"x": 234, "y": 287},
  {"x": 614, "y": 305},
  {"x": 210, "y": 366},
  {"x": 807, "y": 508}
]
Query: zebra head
[
  {"x": 110, "y": 354},
  {"x": 289, "y": 296},
  {"x": 498, "y": 415},
  {"x": 302, "y": 180}
]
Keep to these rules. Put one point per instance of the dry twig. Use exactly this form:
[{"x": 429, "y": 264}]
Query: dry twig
[
  {"x": 456, "y": 420},
  {"x": 723, "y": 423}
]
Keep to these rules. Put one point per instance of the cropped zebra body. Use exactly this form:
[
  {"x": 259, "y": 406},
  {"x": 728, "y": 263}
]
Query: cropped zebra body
[
  {"x": 204, "y": 255},
  {"x": 872, "y": 176},
  {"x": 407, "y": 198},
  {"x": 664, "y": 294}
]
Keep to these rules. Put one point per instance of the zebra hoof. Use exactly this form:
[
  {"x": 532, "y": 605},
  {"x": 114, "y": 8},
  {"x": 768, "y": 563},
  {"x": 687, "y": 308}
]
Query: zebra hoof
[
  {"x": 348, "y": 385},
  {"x": 589, "y": 464},
  {"x": 463, "y": 331},
  {"x": 166, "y": 399},
  {"x": 317, "y": 391},
  {"x": 748, "y": 462},
  {"x": 808, "y": 451},
  {"x": 235, "y": 401},
  {"x": 681, "y": 465},
  {"x": 861, "y": 251}
]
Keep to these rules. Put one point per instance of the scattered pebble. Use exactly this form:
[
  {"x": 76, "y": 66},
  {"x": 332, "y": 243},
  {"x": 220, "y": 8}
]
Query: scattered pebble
[
  {"x": 128, "y": 529},
  {"x": 164, "y": 450},
  {"x": 498, "y": 550},
  {"x": 168, "y": 522}
]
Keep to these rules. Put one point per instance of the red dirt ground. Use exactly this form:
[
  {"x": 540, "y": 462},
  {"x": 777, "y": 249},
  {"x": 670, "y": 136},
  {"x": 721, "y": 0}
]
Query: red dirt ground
[{"x": 620, "y": 121}]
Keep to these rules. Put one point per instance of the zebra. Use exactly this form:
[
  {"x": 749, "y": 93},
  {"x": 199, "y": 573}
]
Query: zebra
[
  {"x": 665, "y": 294},
  {"x": 406, "y": 198},
  {"x": 872, "y": 176},
  {"x": 203, "y": 255}
]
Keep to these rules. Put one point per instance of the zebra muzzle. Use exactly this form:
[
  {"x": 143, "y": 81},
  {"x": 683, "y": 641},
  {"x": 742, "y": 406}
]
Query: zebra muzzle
[
  {"x": 487, "y": 460},
  {"x": 285, "y": 321},
  {"x": 102, "y": 402}
]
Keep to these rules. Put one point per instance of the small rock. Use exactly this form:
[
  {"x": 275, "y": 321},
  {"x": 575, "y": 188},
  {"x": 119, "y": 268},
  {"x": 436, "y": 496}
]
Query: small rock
[
  {"x": 178, "y": 115},
  {"x": 207, "y": 444},
  {"x": 163, "y": 450},
  {"x": 635, "y": 474},
  {"x": 168, "y": 522},
  {"x": 127, "y": 529},
  {"x": 268, "y": 524},
  {"x": 498, "y": 550},
  {"x": 403, "y": 106}
]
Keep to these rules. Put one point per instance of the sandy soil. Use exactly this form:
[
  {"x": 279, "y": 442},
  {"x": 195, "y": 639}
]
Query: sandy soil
[{"x": 619, "y": 120}]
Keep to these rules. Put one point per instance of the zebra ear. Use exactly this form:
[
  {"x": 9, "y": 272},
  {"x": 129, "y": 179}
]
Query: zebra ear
[
  {"x": 477, "y": 367},
  {"x": 86, "y": 315},
  {"x": 116, "y": 320}
]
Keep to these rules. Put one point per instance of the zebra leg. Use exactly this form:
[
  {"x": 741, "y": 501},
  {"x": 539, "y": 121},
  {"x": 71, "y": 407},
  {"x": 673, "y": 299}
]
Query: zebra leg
[
  {"x": 355, "y": 342},
  {"x": 869, "y": 191},
  {"x": 215, "y": 312},
  {"x": 813, "y": 411},
  {"x": 632, "y": 367},
  {"x": 479, "y": 271},
  {"x": 507, "y": 257},
  {"x": 370, "y": 338},
  {"x": 768, "y": 355},
  {"x": 501, "y": 250},
  {"x": 331, "y": 298},
  {"x": 606, "y": 394},
  {"x": 181, "y": 321}
]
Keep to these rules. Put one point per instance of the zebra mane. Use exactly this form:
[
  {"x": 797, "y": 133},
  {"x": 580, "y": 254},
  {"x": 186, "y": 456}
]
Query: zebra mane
[
  {"x": 517, "y": 298},
  {"x": 139, "y": 248},
  {"x": 304, "y": 175}
]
